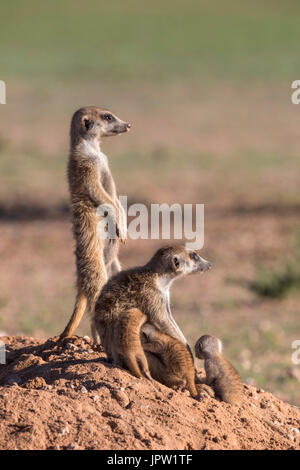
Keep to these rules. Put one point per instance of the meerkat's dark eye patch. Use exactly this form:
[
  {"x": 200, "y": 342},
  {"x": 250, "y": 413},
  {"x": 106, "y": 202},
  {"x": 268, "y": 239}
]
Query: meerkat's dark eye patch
[
  {"x": 176, "y": 262},
  {"x": 108, "y": 117},
  {"x": 194, "y": 256},
  {"x": 88, "y": 124}
]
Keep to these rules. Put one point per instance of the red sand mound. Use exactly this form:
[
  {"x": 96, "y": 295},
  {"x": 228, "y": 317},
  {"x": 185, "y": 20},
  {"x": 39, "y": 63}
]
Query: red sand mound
[{"x": 66, "y": 396}]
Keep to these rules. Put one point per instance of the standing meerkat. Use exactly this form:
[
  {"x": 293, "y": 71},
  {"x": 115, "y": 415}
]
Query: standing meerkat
[
  {"x": 92, "y": 188},
  {"x": 175, "y": 366},
  {"x": 220, "y": 374},
  {"x": 146, "y": 288}
]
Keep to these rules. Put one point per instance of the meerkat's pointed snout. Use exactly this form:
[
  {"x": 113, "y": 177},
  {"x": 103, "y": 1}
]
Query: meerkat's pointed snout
[
  {"x": 121, "y": 127},
  {"x": 204, "y": 265}
]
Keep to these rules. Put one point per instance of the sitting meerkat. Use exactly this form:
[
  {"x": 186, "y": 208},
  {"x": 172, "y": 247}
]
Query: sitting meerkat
[
  {"x": 220, "y": 374},
  {"x": 126, "y": 346},
  {"x": 145, "y": 288},
  {"x": 174, "y": 365}
]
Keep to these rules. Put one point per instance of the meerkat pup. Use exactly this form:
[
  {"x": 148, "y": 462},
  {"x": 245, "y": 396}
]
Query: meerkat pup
[
  {"x": 146, "y": 288},
  {"x": 93, "y": 198},
  {"x": 170, "y": 362},
  {"x": 220, "y": 374},
  {"x": 127, "y": 351}
]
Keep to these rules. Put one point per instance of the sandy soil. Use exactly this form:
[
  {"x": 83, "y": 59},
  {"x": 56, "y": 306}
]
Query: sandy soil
[{"x": 66, "y": 396}]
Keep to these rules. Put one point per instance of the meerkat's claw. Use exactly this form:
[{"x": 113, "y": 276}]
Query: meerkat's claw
[
  {"x": 147, "y": 375},
  {"x": 181, "y": 387},
  {"x": 122, "y": 237}
]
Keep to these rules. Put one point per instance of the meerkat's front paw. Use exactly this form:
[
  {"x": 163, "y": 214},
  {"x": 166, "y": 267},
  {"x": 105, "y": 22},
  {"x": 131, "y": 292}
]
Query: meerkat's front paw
[
  {"x": 122, "y": 227},
  {"x": 180, "y": 386},
  {"x": 121, "y": 234},
  {"x": 205, "y": 390}
]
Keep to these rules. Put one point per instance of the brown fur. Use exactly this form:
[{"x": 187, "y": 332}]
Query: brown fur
[
  {"x": 127, "y": 350},
  {"x": 174, "y": 367},
  {"x": 91, "y": 185},
  {"x": 145, "y": 288},
  {"x": 220, "y": 374}
]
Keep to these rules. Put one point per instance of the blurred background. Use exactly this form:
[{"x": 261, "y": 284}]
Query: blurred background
[{"x": 207, "y": 88}]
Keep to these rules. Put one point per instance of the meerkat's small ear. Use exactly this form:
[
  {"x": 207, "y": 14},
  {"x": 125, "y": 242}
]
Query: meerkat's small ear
[
  {"x": 176, "y": 263},
  {"x": 87, "y": 123}
]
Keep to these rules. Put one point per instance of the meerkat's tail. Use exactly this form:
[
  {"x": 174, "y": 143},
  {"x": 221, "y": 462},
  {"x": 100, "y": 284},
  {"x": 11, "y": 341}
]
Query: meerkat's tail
[{"x": 79, "y": 309}]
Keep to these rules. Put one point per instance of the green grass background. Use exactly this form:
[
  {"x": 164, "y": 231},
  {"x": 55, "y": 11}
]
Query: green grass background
[{"x": 157, "y": 40}]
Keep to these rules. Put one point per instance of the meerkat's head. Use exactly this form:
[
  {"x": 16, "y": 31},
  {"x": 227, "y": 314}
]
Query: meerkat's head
[
  {"x": 93, "y": 123},
  {"x": 208, "y": 345},
  {"x": 178, "y": 261}
]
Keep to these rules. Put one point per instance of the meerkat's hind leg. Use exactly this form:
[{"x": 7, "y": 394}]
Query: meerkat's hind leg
[
  {"x": 94, "y": 330},
  {"x": 94, "y": 333}
]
